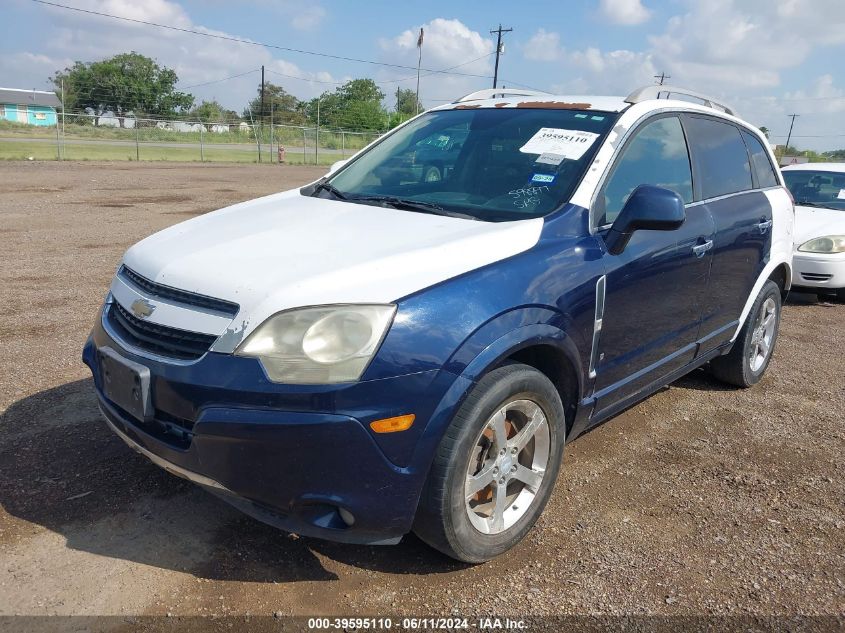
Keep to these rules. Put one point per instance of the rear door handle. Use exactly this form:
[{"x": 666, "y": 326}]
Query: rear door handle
[
  {"x": 764, "y": 226},
  {"x": 700, "y": 249}
]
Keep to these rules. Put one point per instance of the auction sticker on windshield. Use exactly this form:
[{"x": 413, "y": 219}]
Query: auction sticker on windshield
[{"x": 570, "y": 144}]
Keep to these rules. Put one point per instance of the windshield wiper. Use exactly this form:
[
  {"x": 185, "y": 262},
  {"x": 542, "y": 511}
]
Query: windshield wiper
[
  {"x": 818, "y": 205},
  {"x": 325, "y": 186},
  {"x": 413, "y": 205}
]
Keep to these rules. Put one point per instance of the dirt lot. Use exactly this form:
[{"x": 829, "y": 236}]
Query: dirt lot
[{"x": 701, "y": 500}]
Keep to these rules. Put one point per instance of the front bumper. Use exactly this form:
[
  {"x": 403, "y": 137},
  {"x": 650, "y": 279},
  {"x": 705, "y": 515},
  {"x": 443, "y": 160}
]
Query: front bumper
[
  {"x": 818, "y": 270},
  {"x": 294, "y": 456}
]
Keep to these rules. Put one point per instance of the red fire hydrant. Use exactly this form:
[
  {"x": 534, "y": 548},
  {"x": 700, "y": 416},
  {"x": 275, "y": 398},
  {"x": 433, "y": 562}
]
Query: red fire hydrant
[{"x": 281, "y": 154}]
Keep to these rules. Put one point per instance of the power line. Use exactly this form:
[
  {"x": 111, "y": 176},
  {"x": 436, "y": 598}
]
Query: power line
[
  {"x": 310, "y": 79},
  {"x": 217, "y": 81},
  {"x": 239, "y": 40},
  {"x": 519, "y": 85},
  {"x": 428, "y": 74}
]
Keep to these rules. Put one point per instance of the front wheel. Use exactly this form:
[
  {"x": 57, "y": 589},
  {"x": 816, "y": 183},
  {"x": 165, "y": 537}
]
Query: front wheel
[
  {"x": 495, "y": 467},
  {"x": 432, "y": 174},
  {"x": 747, "y": 361}
]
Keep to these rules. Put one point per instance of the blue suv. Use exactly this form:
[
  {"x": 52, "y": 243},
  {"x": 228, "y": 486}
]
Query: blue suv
[{"x": 380, "y": 352}]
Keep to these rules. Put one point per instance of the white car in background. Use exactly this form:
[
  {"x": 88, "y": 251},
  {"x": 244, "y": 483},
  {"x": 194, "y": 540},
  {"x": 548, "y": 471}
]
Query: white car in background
[{"x": 819, "y": 258}]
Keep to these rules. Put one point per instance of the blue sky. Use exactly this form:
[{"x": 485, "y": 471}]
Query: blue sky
[{"x": 768, "y": 58}]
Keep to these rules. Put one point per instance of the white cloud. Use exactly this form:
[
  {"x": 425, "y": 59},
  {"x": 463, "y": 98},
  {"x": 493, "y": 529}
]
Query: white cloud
[
  {"x": 732, "y": 49},
  {"x": 307, "y": 18},
  {"x": 196, "y": 59},
  {"x": 823, "y": 96},
  {"x": 447, "y": 43},
  {"x": 611, "y": 72},
  {"x": 626, "y": 12},
  {"x": 544, "y": 46}
]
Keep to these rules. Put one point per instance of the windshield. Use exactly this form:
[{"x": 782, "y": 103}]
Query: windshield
[
  {"x": 488, "y": 164},
  {"x": 817, "y": 188}
]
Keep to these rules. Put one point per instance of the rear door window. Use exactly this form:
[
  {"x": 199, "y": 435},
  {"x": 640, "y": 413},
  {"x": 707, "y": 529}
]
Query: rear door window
[
  {"x": 760, "y": 160},
  {"x": 656, "y": 155},
  {"x": 719, "y": 156}
]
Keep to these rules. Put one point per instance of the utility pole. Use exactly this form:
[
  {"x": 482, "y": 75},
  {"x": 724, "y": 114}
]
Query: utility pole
[
  {"x": 261, "y": 113},
  {"x": 789, "y": 136},
  {"x": 63, "y": 116},
  {"x": 499, "y": 50},
  {"x": 662, "y": 77},
  {"x": 317, "y": 135},
  {"x": 419, "y": 62}
]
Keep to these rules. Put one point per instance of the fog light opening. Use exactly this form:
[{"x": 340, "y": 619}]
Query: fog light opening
[{"x": 347, "y": 517}]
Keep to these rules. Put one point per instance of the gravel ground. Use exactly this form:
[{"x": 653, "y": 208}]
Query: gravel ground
[{"x": 701, "y": 500}]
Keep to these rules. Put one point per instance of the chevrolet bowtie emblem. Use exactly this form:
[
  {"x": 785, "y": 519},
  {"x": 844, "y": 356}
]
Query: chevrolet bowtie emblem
[{"x": 142, "y": 308}]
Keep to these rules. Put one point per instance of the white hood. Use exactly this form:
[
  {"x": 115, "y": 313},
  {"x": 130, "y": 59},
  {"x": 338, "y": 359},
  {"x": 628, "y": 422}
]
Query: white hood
[
  {"x": 288, "y": 250},
  {"x": 811, "y": 222}
]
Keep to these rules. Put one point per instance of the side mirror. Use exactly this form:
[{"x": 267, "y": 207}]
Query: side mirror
[
  {"x": 336, "y": 166},
  {"x": 648, "y": 208}
]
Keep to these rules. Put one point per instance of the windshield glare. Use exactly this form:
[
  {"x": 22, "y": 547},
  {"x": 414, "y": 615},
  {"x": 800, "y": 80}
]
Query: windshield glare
[
  {"x": 817, "y": 188},
  {"x": 489, "y": 163}
]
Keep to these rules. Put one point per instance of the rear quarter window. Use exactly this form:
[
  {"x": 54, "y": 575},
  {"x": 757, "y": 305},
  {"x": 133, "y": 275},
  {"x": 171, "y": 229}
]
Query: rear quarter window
[
  {"x": 719, "y": 155},
  {"x": 760, "y": 161}
]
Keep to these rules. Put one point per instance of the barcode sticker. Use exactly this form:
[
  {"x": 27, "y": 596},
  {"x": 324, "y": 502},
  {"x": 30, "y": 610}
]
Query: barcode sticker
[{"x": 571, "y": 144}]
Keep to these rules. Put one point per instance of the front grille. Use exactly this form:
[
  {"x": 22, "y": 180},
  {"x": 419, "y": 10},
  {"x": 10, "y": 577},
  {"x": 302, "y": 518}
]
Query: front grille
[
  {"x": 158, "y": 339},
  {"x": 816, "y": 276},
  {"x": 174, "y": 294}
]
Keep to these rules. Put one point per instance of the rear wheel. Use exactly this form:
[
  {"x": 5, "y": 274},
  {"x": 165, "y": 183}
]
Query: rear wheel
[
  {"x": 496, "y": 466},
  {"x": 747, "y": 361}
]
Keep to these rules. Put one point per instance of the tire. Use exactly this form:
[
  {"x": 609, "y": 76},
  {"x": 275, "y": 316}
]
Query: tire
[
  {"x": 451, "y": 513},
  {"x": 840, "y": 296},
  {"x": 432, "y": 174},
  {"x": 738, "y": 367}
]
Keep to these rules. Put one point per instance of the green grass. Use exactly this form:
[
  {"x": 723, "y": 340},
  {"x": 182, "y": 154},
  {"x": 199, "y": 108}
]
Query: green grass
[
  {"x": 12, "y": 150},
  {"x": 290, "y": 137}
]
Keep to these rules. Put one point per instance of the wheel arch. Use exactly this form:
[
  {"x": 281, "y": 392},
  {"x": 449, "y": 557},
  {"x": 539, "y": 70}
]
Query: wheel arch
[
  {"x": 543, "y": 346},
  {"x": 556, "y": 365},
  {"x": 774, "y": 270},
  {"x": 782, "y": 276}
]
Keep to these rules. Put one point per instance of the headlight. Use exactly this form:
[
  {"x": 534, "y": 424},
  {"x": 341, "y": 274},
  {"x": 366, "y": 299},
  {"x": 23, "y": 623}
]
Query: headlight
[
  {"x": 321, "y": 345},
  {"x": 827, "y": 244}
]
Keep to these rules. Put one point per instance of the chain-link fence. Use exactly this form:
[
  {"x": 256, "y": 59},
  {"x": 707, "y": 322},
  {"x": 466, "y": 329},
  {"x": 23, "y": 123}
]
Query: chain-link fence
[{"x": 87, "y": 137}]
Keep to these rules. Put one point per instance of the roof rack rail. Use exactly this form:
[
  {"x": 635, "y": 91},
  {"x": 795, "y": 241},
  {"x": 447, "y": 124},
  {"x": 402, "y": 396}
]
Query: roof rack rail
[
  {"x": 654, "y": 91},
  {"x": 490, "y": 93}
]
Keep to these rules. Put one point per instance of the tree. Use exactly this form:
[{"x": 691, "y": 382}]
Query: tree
[
  {"x": 278, "y": 102},
  {"x": 354, "y": 105},
  {"x": 765, "y": 131},
  {"x": 406, "y": 102},
  {"x": 129, "y": 83},
  {"x": 209, "y": 113},
  {"x": 360, "y": 90},
  {"x": 233, "y": 119}
]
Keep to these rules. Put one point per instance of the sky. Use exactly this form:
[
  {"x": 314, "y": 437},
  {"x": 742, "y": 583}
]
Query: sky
[{"x": 766, "y": 58}]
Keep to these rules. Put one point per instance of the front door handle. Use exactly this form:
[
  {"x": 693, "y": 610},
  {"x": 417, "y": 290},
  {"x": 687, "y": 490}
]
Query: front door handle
[
  {"x": 700, "y": 249},
  {"x": 764, "y": 225}
]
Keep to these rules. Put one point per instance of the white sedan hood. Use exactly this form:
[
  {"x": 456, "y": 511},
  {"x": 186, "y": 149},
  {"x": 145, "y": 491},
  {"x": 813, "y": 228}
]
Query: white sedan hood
[
  {"x": 811, "y": 222},
  {"x": 288, "y": 250}
]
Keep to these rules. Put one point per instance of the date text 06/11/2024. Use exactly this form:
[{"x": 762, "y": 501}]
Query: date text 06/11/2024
[{"x": 417, "y": 624}]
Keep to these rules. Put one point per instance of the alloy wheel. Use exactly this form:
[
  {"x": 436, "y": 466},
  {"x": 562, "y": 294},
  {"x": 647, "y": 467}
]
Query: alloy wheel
[
  {"x": 507, "y": 467},
  {"x": 763, "y": 335}
]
